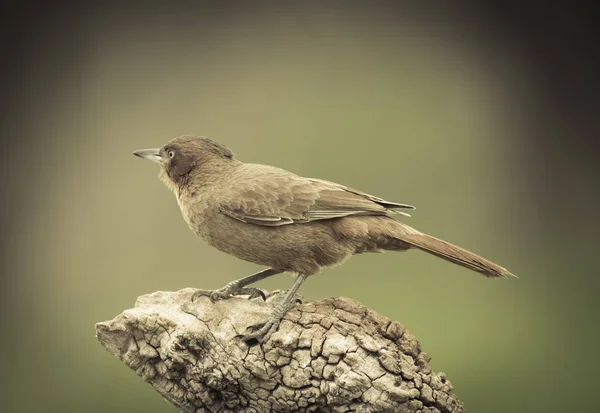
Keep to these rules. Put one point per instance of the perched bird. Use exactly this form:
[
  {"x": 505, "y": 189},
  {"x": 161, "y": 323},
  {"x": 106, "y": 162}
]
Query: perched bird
[{"x": 275, "y": 218}]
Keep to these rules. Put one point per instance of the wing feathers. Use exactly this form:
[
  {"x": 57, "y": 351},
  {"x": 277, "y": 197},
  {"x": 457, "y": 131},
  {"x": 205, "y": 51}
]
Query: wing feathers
[{"x": 276, "y": 197}]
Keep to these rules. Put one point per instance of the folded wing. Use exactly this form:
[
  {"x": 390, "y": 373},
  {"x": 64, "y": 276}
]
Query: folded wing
[{"x": 276, "y": 197}]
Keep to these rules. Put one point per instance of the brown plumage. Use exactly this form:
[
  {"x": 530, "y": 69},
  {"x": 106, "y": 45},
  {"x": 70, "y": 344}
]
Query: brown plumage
[{"x": 275, "y": 218}]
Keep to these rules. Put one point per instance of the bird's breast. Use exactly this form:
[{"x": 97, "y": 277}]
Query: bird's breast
[{"x": 194, "y": 210}]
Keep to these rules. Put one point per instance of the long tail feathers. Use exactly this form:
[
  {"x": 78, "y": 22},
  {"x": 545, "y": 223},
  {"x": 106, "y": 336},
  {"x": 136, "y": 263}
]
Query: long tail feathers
[{"x": 456, "y": 255}]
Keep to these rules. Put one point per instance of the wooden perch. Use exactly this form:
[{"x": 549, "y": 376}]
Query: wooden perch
[{"x": 334, "y": 356}]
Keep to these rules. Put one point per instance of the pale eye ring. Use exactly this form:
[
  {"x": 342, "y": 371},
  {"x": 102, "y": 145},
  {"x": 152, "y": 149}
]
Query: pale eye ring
[{"x": 171, "y": 154}]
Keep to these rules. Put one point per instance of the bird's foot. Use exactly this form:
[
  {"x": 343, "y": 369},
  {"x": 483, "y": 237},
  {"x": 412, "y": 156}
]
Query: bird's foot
[
  {"x": 230, "y": 290},
  {"x": 261, "y": 332}
]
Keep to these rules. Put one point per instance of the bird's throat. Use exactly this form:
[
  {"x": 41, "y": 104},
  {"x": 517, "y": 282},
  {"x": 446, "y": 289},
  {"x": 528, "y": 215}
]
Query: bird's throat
[{"x": 166, "y": 179}]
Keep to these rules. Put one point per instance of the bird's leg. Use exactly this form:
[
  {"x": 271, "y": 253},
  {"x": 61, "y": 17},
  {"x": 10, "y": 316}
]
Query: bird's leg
[
  {"x": 238, "y": 287},
  {"x": 263, "y": 331}
]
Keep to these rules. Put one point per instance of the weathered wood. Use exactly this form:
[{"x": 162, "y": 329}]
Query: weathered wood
[{"x": 334, "y": 355}]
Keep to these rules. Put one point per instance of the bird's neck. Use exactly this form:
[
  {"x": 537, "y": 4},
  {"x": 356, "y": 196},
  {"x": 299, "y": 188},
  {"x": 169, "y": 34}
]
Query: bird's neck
[
  {"x": 206, "y": 174},
  {"x": 214, "y": 172}
]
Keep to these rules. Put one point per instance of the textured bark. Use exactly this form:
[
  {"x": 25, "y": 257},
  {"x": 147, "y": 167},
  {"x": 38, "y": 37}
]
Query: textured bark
[{"x": 334, "y": 355}]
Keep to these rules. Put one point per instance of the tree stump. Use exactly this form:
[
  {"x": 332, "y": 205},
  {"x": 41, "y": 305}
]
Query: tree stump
[{"x": 333, "y": 355}]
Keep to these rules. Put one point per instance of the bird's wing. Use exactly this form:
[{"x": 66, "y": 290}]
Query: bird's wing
[{"x": 274, "y": 197}]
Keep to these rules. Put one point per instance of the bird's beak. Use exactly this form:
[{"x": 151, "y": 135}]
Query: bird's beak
[{"x": 150, "y": 154}]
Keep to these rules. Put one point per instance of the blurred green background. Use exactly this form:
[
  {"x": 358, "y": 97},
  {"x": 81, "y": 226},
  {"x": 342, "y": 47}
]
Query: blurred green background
[{"x": 432, "y": 106}]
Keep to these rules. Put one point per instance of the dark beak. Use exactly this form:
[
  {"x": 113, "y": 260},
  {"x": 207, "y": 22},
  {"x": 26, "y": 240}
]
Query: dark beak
[{"x": 150, "y": 154}]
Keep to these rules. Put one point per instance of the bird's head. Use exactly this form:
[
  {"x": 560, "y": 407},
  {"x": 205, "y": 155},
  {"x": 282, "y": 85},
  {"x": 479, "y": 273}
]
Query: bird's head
[{"x": 187, "y": 155}]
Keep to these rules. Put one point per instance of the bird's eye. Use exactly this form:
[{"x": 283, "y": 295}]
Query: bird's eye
[{"x": 171, "y": 154}]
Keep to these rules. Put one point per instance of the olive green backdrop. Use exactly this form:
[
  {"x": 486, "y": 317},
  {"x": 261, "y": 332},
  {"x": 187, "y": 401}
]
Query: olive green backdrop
[{"x": 423, "y": 105}]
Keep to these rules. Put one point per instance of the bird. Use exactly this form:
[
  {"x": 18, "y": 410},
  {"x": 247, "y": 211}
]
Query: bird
[{"x": 285, "y": 222}]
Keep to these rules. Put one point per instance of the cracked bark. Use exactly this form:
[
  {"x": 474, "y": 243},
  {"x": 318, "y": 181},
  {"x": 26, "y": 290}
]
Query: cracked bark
[{"x": 333, "y": 355}]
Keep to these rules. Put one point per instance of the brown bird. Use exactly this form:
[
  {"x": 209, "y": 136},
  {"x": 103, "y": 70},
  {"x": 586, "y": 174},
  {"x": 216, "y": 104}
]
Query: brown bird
[{"x": 272, "y": 217}]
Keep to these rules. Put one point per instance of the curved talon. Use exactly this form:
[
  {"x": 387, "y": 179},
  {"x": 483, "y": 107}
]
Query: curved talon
[
  {"x": 255, "y": 327},
  {"x": 252, "y": 293},
  {"x": 262, "y": 332},
  {"x": 202, "y": 293}
]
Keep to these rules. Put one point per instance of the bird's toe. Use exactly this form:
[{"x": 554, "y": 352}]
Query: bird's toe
[
  {"x": 217, "y": 295},
  {"x": 202, "y": 293},
  {"x": 252, "y": 293},
  {"x": 260, "y": 332}
]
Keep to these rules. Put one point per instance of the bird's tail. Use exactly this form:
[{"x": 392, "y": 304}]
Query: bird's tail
[{"x": 449, "y": 252}]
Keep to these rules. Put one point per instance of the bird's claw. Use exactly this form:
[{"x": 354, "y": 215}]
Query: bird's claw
[
  {"x": 252, "y": 292},
  {"x": 227, "y": 291},
  {"x": 212, "y": 294},
  {"x": 260, "y": 332}
]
